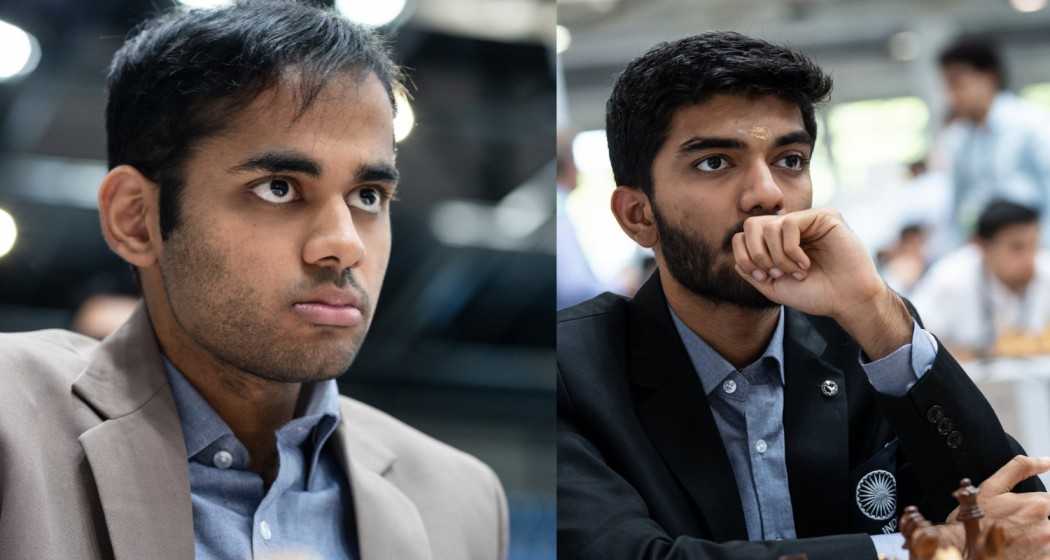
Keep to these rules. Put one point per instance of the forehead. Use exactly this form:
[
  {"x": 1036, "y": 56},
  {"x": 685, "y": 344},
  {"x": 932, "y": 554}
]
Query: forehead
[
  {"x": 349, "y": 113},
  {"x": 956, "y": 70},
  {"x": 745, "y": 118},
  {"x": 1017, "y": 232}
]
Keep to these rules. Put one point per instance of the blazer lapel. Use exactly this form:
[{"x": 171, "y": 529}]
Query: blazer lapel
[
  {"x": 388, "y": 525},
  {"x": 676, "y": 414},
  {"x": 137, "y": 454},
  {"x": 816, "y": 432}
]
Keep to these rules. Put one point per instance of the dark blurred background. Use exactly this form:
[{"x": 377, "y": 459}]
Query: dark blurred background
[{"x": 462, "y": 346}]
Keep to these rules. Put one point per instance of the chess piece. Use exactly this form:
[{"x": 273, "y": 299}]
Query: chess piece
[{"x": 970, "y": 515}]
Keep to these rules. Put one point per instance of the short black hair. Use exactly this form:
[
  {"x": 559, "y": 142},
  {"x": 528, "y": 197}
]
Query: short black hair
[
  {"x": 688, "y": 72},
  {"x": 1000, "y": 214},
  {"x": 181, "y": 75},
  {"x": 976, "y": 52}
]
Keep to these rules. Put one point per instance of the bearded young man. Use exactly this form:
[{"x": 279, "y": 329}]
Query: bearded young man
[
  {"x": 764, "y": 393},
  {"x": 252, "y": 164}
]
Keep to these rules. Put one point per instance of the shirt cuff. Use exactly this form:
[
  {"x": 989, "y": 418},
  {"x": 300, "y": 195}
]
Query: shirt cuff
[
  {"x": 895, "y": 374},
  {"x": 890, "y": 546}
]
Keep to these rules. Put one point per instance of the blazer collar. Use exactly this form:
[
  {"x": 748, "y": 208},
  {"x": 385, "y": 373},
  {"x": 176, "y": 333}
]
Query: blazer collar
[
  {"x": 125, "y": 371},
  {"x": 137, "y": 454},
  {"x": 388, "y": 524},
  {"x": 675, "y": 413}
]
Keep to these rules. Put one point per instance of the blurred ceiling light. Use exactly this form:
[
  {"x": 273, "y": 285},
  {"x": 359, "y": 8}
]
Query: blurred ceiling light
[
  {"x": 904, "y": 46},
  {"x": 8, "y": 232},
  {"x": 564, "y": 38},
  {"x": 373, "y": 13},
  {"x": 405, "y": 118},
  {"x": 1028, "y": 5},
  {"x": 19, "y": 51},
  {"x": 205, "y": 4}
]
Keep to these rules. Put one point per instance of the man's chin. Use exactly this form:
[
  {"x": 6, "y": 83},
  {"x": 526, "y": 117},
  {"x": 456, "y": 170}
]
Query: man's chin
[{"x": 729, "y": 289}]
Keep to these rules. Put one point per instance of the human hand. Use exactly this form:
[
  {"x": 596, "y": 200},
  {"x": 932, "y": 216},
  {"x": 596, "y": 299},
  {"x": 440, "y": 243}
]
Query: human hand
[
  {"x": 811, "y": 261},
  {"x": 1023, "y": 516}
]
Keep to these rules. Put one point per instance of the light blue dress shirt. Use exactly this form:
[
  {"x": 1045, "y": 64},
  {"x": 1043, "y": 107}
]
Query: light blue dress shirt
[
  {"x": 748, "y": 407},
  {"x": 1005, "y": 157},
  {"x": 306, "y": 513}
]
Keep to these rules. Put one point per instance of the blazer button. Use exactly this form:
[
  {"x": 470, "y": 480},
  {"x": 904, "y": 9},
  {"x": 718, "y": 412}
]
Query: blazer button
[
  {"x": 945, "y": 426},
  {"x": 935, "y": 413},
  {"x": 955, "y": 439}
]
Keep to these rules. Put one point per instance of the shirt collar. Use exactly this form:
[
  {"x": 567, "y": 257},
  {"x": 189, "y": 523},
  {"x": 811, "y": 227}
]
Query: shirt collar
[
  {"x": 711, "y": 367},
  {"x": 202, "y": 426}
]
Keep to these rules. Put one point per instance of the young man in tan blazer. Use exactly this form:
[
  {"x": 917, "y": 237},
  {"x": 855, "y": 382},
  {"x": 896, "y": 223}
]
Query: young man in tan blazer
[{"x": 252, "y": 164}]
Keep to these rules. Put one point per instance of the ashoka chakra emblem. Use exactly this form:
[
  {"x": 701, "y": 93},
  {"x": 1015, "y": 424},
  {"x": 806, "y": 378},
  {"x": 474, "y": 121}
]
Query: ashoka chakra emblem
[{"x": 877, "y": 495}]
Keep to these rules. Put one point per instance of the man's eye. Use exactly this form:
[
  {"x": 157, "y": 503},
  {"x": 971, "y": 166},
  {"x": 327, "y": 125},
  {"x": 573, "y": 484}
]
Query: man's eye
[
  {"x": 793, "y": 161},
  {"x": 369, "y": 199},
  {"x": 277, "y": 191},
  {"x": 713, "y": 163}
]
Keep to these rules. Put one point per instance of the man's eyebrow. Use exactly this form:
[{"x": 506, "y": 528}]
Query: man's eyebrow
[
  {"x": 376, "y": 173},
  {"x": 697, "y": 143},
  {"x": 797, "y": 137},
  {"x": 280, "y": 162}
]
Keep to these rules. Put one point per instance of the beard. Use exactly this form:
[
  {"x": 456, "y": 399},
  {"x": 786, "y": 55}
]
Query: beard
[
  {"x": 218, "y": 306},
  {"x": 694, "y": 264}
]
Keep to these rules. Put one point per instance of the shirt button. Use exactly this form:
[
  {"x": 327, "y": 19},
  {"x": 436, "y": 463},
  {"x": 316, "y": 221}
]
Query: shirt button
[
  {"x": 223, "y": 459},
  {"x": 264, "y": 531},
  {"x": 729, "y": 386},
  {"x": 761, "y": 446}
]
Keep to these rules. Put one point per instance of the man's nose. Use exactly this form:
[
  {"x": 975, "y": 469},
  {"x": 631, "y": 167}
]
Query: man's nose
[
  {"x": 334, "y": 240},
  {"x": 763, "y": 195}
]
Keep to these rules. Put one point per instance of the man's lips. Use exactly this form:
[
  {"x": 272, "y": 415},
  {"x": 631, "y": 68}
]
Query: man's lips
[
  {"x": 336, "y": 308},
  {"x": 330, "y": 315}
]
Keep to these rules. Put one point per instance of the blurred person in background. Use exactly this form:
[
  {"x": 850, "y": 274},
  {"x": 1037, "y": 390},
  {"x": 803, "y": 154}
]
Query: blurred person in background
[
  {"x": 764, "y": 393},
  {"x": 252, "y": 168},
  {"x": 576, "y": 281},
  {"x": 993, "y": 294},
  {"x": 903, "y": 264},
  {"x": 1001, "y": 149}
]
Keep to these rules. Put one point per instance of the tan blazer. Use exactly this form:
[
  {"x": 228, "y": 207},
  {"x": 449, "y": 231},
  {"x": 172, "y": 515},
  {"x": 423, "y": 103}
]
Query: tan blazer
[{"x": 93, "y": 463}]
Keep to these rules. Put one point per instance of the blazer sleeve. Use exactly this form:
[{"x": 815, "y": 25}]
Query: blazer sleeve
[
  {"x": 948, "y": 431},
  {"x": 602, "y": 517}
]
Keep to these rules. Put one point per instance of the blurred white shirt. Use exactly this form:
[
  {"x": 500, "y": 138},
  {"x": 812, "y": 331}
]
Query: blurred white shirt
[{"x": 965, "y": 305}]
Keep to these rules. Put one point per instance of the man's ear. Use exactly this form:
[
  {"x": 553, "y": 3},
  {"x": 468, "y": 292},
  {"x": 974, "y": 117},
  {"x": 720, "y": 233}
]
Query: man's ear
[
  {"x": 634, "y": 212},
  {"x": 128, "y": 212}
]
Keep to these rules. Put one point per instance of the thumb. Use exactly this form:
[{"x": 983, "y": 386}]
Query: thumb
[{"x": 1013, "y": 472}]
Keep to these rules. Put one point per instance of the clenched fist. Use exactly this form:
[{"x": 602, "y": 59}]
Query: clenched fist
[{"x": 811, "y": 261}]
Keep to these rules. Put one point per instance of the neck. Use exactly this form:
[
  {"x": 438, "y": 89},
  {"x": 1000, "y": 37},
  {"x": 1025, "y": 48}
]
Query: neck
[
  {"x": 254, "y": 408},
  {"x": 981, "y": 116},
  {"x": 739, "y": 334}
]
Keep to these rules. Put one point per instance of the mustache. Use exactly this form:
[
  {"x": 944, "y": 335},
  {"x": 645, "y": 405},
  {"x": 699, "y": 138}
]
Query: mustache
[
  {"x": 342, "y": 279},
  {"x": 727, "y": 242}
]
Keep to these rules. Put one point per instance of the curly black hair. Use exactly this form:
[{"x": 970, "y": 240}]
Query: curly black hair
[{"x": 688, "y": 72}]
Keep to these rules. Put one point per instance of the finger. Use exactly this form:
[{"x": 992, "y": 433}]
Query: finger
[
  {"x": 760, "y": 285},
  {"x": 756, "y": 246},
  {"x": 1027, "y": 507},
  {"x": 1017, "y": 469},
  {"x": 743, "y": 259},
  {"x": 771, "y": 235},
  {"x": 792, "y": 240}
]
